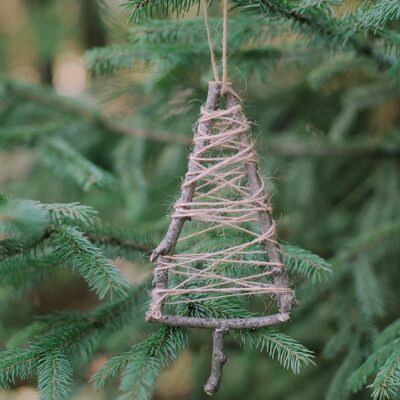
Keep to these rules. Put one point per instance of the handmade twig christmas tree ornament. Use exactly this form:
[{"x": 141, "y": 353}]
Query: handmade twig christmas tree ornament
[{"x": 221, "y": 241}]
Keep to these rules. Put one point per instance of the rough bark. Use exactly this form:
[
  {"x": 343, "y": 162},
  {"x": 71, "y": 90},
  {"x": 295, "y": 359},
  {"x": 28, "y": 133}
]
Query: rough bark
[
  {"x": 218, "y": 361},
  {"x": 213, "y": 323}
]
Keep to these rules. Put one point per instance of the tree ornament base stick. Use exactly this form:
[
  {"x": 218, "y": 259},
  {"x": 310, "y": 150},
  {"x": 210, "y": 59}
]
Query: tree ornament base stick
[{"x": 219, "y": 359}]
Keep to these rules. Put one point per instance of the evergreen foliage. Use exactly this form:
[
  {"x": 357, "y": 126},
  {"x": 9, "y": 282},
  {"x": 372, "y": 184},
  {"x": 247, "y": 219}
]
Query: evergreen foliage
[
  {"x": 58, "y": 242},
  {"x": 142, "y": 363},
  {"x": 321, "y": 79}
]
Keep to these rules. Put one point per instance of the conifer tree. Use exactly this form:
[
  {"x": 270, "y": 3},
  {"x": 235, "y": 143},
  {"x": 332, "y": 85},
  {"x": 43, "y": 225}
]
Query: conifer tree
[{"x": 321, "y": 82}]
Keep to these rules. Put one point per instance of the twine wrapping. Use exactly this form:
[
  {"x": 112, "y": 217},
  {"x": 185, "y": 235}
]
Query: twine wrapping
[{"x": 225, "y": 203}]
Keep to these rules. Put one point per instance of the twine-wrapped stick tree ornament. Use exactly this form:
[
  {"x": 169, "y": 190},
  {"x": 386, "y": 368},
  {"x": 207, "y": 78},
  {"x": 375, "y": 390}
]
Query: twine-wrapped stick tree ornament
[{"x": 221, "y": 241}]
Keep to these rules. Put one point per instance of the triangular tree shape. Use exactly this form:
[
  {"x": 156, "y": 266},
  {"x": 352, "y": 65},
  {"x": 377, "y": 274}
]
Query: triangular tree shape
[{"x": 227, "y": 247}]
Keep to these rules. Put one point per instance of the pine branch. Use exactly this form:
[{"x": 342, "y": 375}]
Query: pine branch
[
  {"x": 67, "y": 162},
  {"x": 287, "y": 351},
  {"x": 108, "y": 235},
  {"x": 17, "y": 364},
  {"x": 380, "y": 13},
  {"x": 58, "y": 339},
  {"x": 71, "y": 247},
  {"x": 304, "y": 262},
  {"x": 15, "y": 270},
  {"x": 46, "y": 97},
  {"x": 54, "y": 377},
  {"x": 21, "y": 219},
  {"x": 70, "y": 213},
  {"x": 142, "y": 363},
  {"x": 373, "y": 363}
]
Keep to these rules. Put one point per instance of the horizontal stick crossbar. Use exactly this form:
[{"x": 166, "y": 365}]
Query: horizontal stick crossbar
[{"x": 214, "y": 323}]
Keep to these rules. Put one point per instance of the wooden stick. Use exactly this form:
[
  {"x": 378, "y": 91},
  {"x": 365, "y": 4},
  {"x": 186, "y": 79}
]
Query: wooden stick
[
  {"x": 218, "y": 361},
  {"x": 213, "y": 323}
]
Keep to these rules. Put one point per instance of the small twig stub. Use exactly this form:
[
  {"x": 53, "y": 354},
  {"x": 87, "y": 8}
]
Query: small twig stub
[{"x": 219, "y": 359}]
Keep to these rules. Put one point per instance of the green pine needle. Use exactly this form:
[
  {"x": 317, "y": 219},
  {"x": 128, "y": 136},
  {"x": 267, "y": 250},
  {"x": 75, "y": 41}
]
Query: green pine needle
[
  {"x": 141, "y": 365},
  {"x": 67, "y": 162},
  {"x": 74, "y": 249},
  {"x": 304, "y": 262},
  {"x": 17, "y": 364},
  {"x": 70, "y": 213},
  {"x": 21, "y": 219},
  {"x": 286, "y": 350},
  {"x": 54, "y": 377}
]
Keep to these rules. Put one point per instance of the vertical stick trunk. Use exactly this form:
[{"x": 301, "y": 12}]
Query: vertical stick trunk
[{"x": 218, "y": 361}]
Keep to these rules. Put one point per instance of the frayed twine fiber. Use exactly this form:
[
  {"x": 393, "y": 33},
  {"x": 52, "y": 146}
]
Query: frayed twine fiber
[{"x": 223, "y": 201}]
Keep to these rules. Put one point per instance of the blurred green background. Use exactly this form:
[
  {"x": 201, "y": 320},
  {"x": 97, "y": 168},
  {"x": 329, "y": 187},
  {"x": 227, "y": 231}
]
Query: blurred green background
[{"x": 327, "y": 132}]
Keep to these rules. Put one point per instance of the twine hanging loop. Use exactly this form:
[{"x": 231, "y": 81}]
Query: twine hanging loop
[{"x": 211, "y": 46}]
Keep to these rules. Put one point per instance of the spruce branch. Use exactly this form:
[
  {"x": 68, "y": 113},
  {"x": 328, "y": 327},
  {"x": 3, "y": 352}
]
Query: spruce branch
[
  {"x": 21, "y": 219},
  {"x": 318, "y": 22},
  {"x": 143, "y": 362},
  {"x": 48, "y": 98},
  {"x": 287, "y": 351},
  {"x": 338, "y": 387},
  {"x": 315, "y": 17},
  {"x": 390, "y": 334},
  {"x": 27, "y": 135},
  {"x": 14, "y": 270},
  {"x": 66, "y": 161},
  {"x": 292, "y": 148},
  {"x": 109, "y": 235},
  {"x": 54, "y": 377},
  {"x": 304, "y": 262},
  {"x": 70, "y": 213},
  {"x": 381, "y": 12},
  {"x": 117, "y": 241},
  {"x": 373, "y": 363},
  {"x": 71, "y": 247},
  {"x": 17, "y": 364},
  {"x": 387, "y": 381},
  {"x": 56, "y": 340}
]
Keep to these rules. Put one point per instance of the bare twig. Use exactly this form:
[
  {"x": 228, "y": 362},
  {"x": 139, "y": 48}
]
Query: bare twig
[
  {"x": 218, "y": 361},
  {"x": 213, "y": 323}
]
